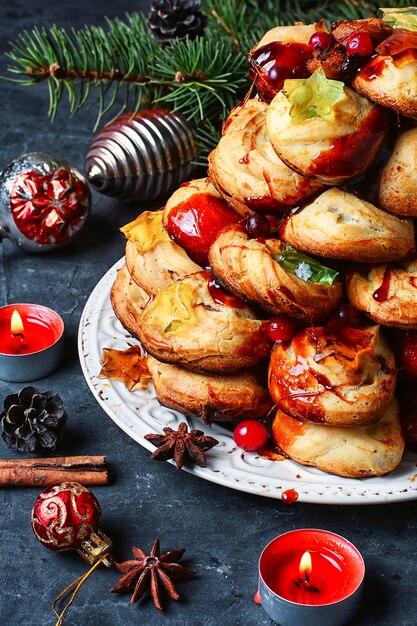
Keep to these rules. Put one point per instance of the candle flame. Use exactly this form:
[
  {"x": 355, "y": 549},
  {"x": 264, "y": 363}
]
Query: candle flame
[
  {"x": 16, "y": 325},
  {"x": 305, "y": 565}
]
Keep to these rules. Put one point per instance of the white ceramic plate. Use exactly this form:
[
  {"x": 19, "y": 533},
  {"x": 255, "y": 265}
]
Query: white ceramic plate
[{"x": 139, "y": 413}]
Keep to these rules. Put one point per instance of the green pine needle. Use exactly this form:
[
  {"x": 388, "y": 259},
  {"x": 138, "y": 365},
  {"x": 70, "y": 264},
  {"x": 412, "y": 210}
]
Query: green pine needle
[{"x": 125, "y": 69}]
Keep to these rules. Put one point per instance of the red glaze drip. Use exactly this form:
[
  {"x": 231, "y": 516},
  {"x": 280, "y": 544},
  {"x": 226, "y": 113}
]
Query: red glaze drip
[
  {"x": 268, "y": 204},
  {"x": 285, "y": 292},
  {"x": 374, "y": 68},
  {"x": 381, "y": 294},
  {"x": 295, "y": 384},
  {"x": 352, "y": 154},
  {"x": 271, "y": 451},
  {"x": 325, "y": 382},
  {"x": 244, "y": 160},
  {"x": 350, "y": 339},
  {"x": 290, "y": 496},
  {"x": 229, "y": 120},
  {"x": 400, "y": 41},
  {"x": 257, "y": 598},
  {"x": 276, "y": 54},
  {"x": 378, "y": 63},
  {"x": 226, "y": 125},
  {"x": 413, "y": 281},
  {"x": 186, "y": 184},
  {"x": 221, "y": 296},
  {"x": 195, "y": 223}
]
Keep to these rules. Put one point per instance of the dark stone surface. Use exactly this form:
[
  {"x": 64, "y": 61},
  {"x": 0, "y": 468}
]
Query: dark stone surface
[{"x": 222, "y": 530}]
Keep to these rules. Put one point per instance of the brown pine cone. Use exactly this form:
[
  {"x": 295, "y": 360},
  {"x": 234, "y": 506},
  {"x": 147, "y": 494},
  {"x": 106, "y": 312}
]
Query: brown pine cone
[
  {"x": 32, "y": 421},
  {"x": 176, "y": 19}
]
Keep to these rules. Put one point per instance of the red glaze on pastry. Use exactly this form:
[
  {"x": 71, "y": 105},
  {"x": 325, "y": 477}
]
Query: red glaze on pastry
[
  {"x": 316, "y": 376},
  {"x": 350, "y": 155},
  {"x": 194, "y": 224},
  {"x": 273, "y": 63}
]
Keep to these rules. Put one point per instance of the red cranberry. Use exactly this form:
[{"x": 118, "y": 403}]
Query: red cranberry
[
  {"x": 360, "y": 44},
  {"x": 280, "y": 329},
  {"x": 409, "y": 425},
  {"x": 347, "y": 314},
  {"x": 276, "y": 76},
  {"x": 409, "y": 355},
  {"x": 257, "y": 226},
  {"x": 321, "y": 41},
  {"x": 250, "y": 435}
]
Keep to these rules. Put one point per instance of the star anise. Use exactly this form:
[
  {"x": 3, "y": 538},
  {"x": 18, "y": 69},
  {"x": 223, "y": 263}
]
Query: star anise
[
  {"x": 153, "y": 573},
  {"x": 181, "y": 445}
]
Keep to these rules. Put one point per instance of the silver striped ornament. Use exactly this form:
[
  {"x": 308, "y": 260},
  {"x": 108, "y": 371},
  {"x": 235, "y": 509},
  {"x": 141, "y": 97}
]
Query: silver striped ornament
[{"x": 143, "y": 158}]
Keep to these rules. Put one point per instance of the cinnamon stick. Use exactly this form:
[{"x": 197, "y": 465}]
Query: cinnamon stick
[{"x": 87, "y": 470}]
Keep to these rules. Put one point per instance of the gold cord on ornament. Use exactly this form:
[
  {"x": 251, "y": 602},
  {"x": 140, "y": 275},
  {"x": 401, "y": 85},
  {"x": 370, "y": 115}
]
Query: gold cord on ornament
[{"x": 77, "y": 584}]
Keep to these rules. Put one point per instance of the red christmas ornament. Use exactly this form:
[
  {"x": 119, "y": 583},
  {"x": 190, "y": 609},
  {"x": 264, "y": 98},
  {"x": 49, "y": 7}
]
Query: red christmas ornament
[
  {"x": 64, "y": 516},
  {"x": 44, "y": 202}
]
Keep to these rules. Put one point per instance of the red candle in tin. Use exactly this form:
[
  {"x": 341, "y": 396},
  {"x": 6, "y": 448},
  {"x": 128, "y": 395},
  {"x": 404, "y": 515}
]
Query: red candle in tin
[
  {"x": 314, "y": 578},
  {"x": 311, "y": 567},
  {"x": 27, "y": 328},
  {"x": 31, "y": 342}
]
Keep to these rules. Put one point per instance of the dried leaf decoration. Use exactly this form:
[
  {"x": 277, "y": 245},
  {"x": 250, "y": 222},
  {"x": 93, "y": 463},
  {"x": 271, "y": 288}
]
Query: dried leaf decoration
[{"x": 129, "y": 366}]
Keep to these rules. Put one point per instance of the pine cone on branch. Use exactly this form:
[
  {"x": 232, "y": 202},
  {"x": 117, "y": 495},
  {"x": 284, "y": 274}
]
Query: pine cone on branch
[
  {"x": 32, "y": 421},
  {"x": 175, "y": 19}
]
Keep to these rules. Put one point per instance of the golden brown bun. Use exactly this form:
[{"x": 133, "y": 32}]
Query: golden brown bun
[
  {"x": 153, "y": 259},
  {"x": 127, "y": 300},
  {"x": 198, "y": 185},
  {"x": 392, "y": 82},
  {"x": 398, "y": 182},
  {"x": 328, "y": 150},
  {"x": 248, "y": 268},
  {"x": 246, "y": 170},
  {"x": 183, "y": 324},
  {"x": 354, "y": 452},
  {"x": 225, "y": 397},
  {"x": 333, "y": 375},
  {"x": 387, "y": 294},
  {"x": 297, "y": 33},
  {"x": 339, "y": 225}
]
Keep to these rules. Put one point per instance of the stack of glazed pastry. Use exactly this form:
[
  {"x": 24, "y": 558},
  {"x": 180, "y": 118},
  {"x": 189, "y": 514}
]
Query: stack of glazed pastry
[{"x": 270, "y": 288}]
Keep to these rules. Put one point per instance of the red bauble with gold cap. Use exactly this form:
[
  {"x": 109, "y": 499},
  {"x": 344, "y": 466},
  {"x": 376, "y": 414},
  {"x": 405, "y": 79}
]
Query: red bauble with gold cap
[{"x": 64, "y": 516}]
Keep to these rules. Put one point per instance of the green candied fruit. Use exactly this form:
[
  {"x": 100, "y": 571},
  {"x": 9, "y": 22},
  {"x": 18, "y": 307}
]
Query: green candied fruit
[
  {"x": 315, "y": 96},
  {"x": 400, "y": 18},
  {"x": 305, "y": 268}
]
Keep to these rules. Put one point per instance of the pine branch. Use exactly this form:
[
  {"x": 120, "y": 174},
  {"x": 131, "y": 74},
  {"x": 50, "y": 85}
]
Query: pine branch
[
  {"x": 77, "y": 60},
  {"x": 206, "y": 77},
  {"x": 231, "y": 16},
  {"x": 126, "y": 68}
]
